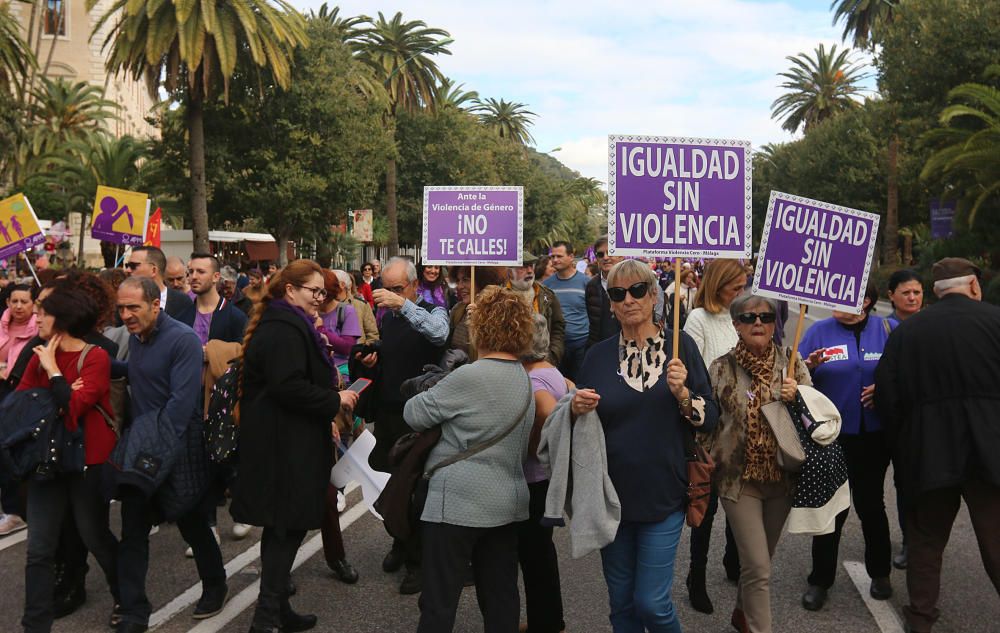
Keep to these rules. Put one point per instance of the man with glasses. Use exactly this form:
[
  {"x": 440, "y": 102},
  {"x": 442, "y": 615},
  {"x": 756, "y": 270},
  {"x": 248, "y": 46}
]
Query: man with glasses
[
  {"x": 413, "y": 334},
  {"x": 542, "y": 301},
  {"x": 151, "y": 262},
  {"x": 602, "y": 321}
]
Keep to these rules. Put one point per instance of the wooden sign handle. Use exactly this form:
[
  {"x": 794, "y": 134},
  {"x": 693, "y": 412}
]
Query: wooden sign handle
[
  {"x": 798, "y": 339},
  {"x": 677, "y": 307},
  {"x": 472, "y": 285}
]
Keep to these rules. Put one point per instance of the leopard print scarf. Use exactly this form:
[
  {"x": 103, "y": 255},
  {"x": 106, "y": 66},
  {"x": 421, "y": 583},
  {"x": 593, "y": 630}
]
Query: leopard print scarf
[{"x": 761, "y": 447}]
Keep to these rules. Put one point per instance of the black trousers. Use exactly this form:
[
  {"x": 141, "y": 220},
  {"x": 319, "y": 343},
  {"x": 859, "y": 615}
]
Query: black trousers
[
  {"x": 448, "y": 549},
  {"x": 389, "y": 427},
  {"x": 51, "y": 500},
  {"x": 539, "y": 566},
  {"x": 12, "y": 495},
  {"x": 868, "y": 459},
  {"x": 133, "y": 552},
  {"x": 701, "y": 539},
  {"x": 277, "y": 554}
]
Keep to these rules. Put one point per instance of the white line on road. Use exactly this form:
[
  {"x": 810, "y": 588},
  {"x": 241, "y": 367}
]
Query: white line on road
[
  {"x": 885, "y": 616},
  {"x": 244, "y": 599},
  {"x": 13, "y": 539},
  {"x": 233, "y": 567}
]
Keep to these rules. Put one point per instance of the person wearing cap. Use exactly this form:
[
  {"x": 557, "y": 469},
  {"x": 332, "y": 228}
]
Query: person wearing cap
[
  {"x": 542, "y": 301},
  {"x": 842, "y": 353},
  {"x": 937, "y": 389}
]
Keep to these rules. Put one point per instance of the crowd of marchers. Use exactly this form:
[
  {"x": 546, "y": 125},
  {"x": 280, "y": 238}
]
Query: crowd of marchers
[{"x": 556, "y": 400}]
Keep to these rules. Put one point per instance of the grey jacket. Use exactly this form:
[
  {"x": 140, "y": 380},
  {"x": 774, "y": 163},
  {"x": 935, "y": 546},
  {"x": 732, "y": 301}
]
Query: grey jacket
[
  {"x": 584, "y": 488},
  {"x": 473, "y": 404}
]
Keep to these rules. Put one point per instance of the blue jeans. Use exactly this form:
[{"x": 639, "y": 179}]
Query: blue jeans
[{"x": 639, "y": 570}]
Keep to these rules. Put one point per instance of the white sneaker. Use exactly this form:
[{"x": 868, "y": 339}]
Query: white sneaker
[
  {"x": 154, "y": 530},
  {"x": 240, "y": 530},
  {"x": 341, "y": 501},
  {"x": 10, "y": 523},
  {"x": 189, "y": 552}
]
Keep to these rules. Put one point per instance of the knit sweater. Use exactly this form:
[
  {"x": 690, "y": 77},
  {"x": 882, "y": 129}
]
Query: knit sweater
[{"x": 714, "y": 334}]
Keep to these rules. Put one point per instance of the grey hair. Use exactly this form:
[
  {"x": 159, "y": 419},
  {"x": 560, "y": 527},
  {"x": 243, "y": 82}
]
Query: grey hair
[
  {"x": 150, "y": 291},
  {"x": 228, "y": 273},
  {"x": 748, "y": 300},
  {"x": 411, "y": 269},
  {"x": 631, "y": 268},
  {"x": 945, "y": 285},
  {"x": 345, "y": 280},
  {"x": 539, "y": 349}
]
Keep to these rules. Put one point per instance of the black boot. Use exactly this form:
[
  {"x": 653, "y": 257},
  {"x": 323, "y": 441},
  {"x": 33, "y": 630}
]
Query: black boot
[
  {"x": 68, "y": 597},
  {"x": 697, "y": 593},
  {"x": 292, "y": 622}
]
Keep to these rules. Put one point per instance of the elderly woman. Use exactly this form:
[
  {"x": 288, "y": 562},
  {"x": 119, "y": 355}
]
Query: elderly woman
[
  {"x": 460, "y": 337},
  {"x": 756, "y": 493},
  {"x": 647, "y": 403},
  {"x": 475, "y": 502},
  {"x": 842, "y": 353}
]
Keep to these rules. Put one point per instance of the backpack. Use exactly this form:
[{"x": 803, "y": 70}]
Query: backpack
[{"x": 222, "y": 420}]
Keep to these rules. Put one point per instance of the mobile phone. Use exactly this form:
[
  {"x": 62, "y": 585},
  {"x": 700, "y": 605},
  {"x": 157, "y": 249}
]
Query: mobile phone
[{"x": 360, "y": 385}]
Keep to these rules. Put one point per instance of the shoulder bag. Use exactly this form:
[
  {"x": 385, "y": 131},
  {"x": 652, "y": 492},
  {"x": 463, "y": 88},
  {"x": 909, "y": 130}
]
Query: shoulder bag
[{"x": 700, "y": 467}]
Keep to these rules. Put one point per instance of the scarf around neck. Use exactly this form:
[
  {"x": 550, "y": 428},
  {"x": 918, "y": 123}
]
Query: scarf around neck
[
  {"x": 281, "y": 304},
  {"x": 761, "y": 447},
  {"x": 641, "y": 368}
]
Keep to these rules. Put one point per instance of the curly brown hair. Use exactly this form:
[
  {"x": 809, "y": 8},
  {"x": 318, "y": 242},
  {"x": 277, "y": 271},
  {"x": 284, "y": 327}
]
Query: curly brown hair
[
  {"x": 99, "y": 290},
  {"x": 501, "y": 322}
]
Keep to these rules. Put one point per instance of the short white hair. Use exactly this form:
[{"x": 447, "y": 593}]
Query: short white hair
[
  {"x": 631, "y": 268},
  {"x": 345, "y": 280},
  {"x": 944, "y": 286},
  {"x": 411, "y": 269}
]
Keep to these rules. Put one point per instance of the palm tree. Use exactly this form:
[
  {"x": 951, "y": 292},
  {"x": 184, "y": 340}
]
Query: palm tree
[
  {"x": 508, "y": 119},
  {"x": 449, "y": 95},
  {"x": 818, "y": 88},
  {"x": 344, "y": 27},
  {"x": 863, "y": 19},
  {"x": 63, "y": 112},
  {"x": 186, "y": 47},
  {"x": 16, "y": 58},
  {"x": 969, "y": 158},
  {"x": 400, "y": 54}
]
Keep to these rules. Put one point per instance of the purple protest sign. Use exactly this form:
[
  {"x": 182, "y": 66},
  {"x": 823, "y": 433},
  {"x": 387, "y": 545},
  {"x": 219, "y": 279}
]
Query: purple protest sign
[
  {"x": 815, "y": 253},
  {"x": 679, "y": 197},
  {"x": 473, "y": 226}
]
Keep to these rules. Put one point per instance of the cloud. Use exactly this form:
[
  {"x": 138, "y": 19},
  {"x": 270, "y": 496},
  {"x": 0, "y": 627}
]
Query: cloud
[{"x": 590, "y": 68}]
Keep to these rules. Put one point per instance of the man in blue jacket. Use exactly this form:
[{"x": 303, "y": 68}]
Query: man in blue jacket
[{"x": 164, "y": 373}]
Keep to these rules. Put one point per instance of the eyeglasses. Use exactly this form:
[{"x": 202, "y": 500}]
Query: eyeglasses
[
  {"x": 600, "y": 254},
  {"x": 318, "y": 293},
  {"x": 749, "y": 318},
  {"x": 396, "y": 289},
  {"x": 132, "y": 265},
  {"x": 637, "y": 290}
]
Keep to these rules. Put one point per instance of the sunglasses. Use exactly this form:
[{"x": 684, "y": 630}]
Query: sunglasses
[
  {"x": 132, "y": 265},
  {"x": 600, "y": 254},
  {"x": 749, "y": 318},
  {"x": 637, "y": 290}
]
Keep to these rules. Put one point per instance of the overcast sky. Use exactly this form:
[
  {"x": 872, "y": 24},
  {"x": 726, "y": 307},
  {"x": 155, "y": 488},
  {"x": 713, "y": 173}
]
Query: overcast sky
[{"x": 588, "y": 69}]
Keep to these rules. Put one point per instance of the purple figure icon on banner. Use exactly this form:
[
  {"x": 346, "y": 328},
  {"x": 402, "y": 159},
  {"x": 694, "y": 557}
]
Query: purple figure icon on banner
[
  {"x": 4, "y": 232},
  {"x": 16, "y": 225},
  {"x": 110, "y": 213}
]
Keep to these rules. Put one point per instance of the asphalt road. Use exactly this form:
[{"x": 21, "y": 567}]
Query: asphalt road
[{"x": 969, "y": 603}]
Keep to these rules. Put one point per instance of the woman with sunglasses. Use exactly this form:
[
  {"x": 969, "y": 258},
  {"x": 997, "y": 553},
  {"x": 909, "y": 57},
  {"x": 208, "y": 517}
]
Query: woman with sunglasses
[
  {"x": 842, "y": 353},
  {"x": 647, "y": 403},
  {"x": 287, "y": 400},
  {"x": 755, "y": 492},
  {"x": 711, "y": 327}
]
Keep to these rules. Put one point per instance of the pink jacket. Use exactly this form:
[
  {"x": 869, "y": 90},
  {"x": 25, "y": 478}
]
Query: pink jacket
[{"x": 18, "y": 342}]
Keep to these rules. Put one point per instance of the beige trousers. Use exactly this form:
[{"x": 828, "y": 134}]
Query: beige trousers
[{"x": 757, "y": 520}]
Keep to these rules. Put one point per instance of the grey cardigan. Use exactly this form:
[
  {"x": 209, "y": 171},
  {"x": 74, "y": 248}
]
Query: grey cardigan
[
  {"x": 473, "y": 404},
  {"x": 580, "y": 484}
]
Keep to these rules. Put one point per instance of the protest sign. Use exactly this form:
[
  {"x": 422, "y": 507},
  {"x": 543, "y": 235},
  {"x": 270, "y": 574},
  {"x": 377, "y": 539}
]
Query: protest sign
[
  {"x": 815, "y": 253},
  {"x": 353, "y": 466},
  {"x": 678, "y": 197},
  {"x": 153, "y": 230},
  {"x": 120, "y": 216},
  {"x": 19, "y": 229},
  {"x": 473, "y": 226}
]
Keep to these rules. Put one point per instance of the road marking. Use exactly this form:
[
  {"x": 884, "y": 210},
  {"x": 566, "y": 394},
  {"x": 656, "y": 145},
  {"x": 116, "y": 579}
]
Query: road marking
[
  {"x": 244, "y": 599},
  {"x": 233, "y": 567},
  {"x": 886, "y": 618},
  {"x": 13, "y": 539}
]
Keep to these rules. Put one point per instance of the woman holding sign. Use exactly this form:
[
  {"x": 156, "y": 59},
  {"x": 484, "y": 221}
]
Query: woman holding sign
[
  {"x": 842, "y": 353},
  {"x": 756, "y": 493},
  {"x": 647, "y": 403}
]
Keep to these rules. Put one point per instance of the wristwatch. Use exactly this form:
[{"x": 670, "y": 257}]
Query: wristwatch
[{"x": 686, "y": 402}]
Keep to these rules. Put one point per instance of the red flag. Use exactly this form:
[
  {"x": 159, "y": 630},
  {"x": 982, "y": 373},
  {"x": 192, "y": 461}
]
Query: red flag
[{"x": 153, "y": 229}]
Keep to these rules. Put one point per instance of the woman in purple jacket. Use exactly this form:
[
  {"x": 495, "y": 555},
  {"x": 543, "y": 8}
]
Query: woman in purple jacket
[{"x": 842, "y": 353}]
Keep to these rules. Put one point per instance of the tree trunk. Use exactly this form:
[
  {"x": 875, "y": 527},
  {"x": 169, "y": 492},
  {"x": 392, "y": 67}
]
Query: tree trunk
[
  {"x": 390, "y": 206},
  {"x": 199, "y": 198},
  {"x": 891, "y": 244},
  {"x": 282, "y": 240}
]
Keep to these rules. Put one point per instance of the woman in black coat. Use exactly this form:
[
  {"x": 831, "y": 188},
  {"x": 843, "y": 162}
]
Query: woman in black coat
[{"x": 287, "y": 402}]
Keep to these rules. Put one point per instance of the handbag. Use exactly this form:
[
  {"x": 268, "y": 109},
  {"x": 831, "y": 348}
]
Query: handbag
[
  {"x": 700, "y": 467},
  {"x": 790, "y": 455},
  {"x": 402, "y": 500}
]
